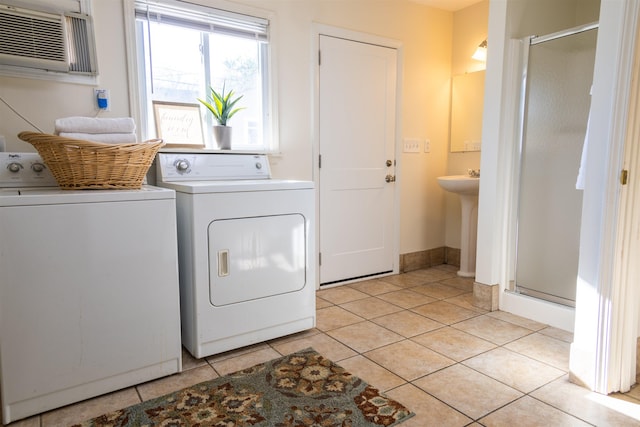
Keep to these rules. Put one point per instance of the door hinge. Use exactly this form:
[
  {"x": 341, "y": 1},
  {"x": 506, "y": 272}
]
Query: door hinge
[
  {"x": 624, "y": 175},
  {"x": 319, "y": 258},
  {"x": 319, "y": 160},
  {"x": 319, "y": 57}
]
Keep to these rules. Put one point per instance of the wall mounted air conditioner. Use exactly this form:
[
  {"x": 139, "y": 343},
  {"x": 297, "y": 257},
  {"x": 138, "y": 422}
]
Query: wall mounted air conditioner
[{"x": 47, "y": 41}]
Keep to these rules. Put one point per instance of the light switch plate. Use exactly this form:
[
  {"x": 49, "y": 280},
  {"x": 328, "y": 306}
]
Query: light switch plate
[{"x": 412, "y": 145}]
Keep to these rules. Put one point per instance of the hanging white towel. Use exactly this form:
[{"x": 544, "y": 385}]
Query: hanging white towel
[
  {"x": 96, "y": 125},
  {"x": 585, "y": 147},
  {"x": 583, "y": 159},
  {"x": 108, "y": 138}
]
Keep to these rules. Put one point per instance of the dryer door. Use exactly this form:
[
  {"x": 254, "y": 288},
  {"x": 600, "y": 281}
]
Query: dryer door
[{"x": 257, "y": 257}]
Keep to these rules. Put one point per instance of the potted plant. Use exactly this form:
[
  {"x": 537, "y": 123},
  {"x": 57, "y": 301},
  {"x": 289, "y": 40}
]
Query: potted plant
[{"x": 222, "y": 106}]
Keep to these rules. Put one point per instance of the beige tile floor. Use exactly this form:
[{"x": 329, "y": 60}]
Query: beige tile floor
[{"x": 417, "y": 337}]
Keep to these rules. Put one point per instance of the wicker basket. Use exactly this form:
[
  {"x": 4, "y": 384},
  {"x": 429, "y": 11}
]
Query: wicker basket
[{"x": 78, "y": 164}]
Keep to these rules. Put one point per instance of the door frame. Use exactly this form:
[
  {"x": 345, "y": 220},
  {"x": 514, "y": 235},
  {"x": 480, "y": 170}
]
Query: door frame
[
  {"x": 327, "y": 30},
  {"x": 603, "y": 353}
]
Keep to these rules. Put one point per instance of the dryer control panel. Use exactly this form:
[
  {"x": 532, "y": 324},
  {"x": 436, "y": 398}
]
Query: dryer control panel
[{"x": 174, "y": 167}]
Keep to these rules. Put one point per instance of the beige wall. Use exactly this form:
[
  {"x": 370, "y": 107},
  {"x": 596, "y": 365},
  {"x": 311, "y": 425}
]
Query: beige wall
[
  {"x": 528, "y": 17},
  {"x": 470, "y": 28},
  {"x": 425, "y": 34}
]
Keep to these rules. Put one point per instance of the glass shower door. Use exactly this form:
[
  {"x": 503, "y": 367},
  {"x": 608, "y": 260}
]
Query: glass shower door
[{"x": 558, "y": 81}]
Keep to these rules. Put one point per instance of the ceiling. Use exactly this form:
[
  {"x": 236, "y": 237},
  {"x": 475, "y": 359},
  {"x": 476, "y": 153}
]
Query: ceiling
[{"x": 450, "y": 5}]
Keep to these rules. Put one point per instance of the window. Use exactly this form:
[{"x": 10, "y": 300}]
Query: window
[{"x": 184, "y": 49}]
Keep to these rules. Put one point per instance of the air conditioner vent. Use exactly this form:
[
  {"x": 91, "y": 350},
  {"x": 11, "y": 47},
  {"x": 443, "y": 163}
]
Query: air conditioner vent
[
  {"x": 41, "y": 40},
  {"x": 80, "y": 44}
]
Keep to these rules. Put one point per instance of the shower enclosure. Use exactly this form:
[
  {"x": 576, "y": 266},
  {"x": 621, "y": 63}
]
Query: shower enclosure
[{"x": 557, "y": 77}]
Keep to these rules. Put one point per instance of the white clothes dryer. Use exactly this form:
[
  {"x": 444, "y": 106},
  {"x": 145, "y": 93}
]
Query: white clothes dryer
[
  {"x": 89, "y": 299},
  {"x": 246, "y": 247}
]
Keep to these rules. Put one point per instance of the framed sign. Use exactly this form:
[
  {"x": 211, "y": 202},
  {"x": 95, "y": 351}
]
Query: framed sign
[{"x": 178, "y": 124}]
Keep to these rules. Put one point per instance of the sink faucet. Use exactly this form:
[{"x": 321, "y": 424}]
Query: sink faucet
[{"x": 474, "y": 173}]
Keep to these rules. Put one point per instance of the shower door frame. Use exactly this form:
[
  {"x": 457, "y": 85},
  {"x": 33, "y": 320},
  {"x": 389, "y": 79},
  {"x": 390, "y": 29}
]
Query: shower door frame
[{"x": 526, "y": 43}]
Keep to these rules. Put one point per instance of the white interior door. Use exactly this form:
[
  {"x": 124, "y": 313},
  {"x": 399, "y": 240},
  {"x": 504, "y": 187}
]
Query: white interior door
[{"x": 357, "y": 110}]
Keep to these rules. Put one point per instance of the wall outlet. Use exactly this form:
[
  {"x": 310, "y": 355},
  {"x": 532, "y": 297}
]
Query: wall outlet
[
  {"x": 427, "y": 145},
  {"x": 102, "y": 99},
  {"x": 412, "y": 145}
]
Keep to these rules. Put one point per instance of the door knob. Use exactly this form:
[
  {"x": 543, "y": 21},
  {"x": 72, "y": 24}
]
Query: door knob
[
  {"x": 389, "y": 163},
  {"x": 390, "y": 178}
]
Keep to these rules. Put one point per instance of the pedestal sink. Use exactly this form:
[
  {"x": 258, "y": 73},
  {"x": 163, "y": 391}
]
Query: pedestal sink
[{"x": 467, "y": 188}]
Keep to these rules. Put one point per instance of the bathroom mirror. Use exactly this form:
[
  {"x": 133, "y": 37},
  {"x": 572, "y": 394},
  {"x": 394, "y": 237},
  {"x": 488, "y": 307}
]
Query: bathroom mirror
[{"x": 467, "y": 99}]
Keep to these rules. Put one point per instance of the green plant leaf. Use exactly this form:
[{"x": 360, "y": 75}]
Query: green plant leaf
[{"x": 221, "y": 104}]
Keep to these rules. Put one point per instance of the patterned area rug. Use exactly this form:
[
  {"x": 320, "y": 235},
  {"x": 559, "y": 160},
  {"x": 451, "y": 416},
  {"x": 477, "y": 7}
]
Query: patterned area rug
[{"x": 299, "y": 390}]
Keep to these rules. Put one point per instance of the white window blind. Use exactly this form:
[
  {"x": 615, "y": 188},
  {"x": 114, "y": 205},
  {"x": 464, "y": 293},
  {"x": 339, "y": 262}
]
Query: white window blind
[{"x": 204, "y": 19}]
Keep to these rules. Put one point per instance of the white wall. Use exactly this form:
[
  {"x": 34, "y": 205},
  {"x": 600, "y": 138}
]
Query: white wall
[
  {"x": 43, "y": 101},
  {"x": 426, "y": 36}
]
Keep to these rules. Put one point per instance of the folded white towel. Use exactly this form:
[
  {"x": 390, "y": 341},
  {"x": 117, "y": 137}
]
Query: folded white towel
[
  {"x": 108, "y": 138},
  {"x": 95, "y": 125}
]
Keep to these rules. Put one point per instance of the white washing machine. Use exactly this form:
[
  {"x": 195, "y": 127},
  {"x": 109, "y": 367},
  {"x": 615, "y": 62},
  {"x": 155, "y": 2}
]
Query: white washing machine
[
  {"x": 246, "y": 250},
  {"x": 89, "y": 298}
]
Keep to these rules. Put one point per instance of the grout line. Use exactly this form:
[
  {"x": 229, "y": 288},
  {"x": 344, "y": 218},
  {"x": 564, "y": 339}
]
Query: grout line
[{"x": 139, "y": 395}]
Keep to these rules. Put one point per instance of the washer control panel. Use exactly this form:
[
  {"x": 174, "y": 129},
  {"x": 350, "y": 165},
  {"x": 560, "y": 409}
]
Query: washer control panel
[
  {"x": 173, "y": 167},
  {"x": 24, "y": 170}
]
